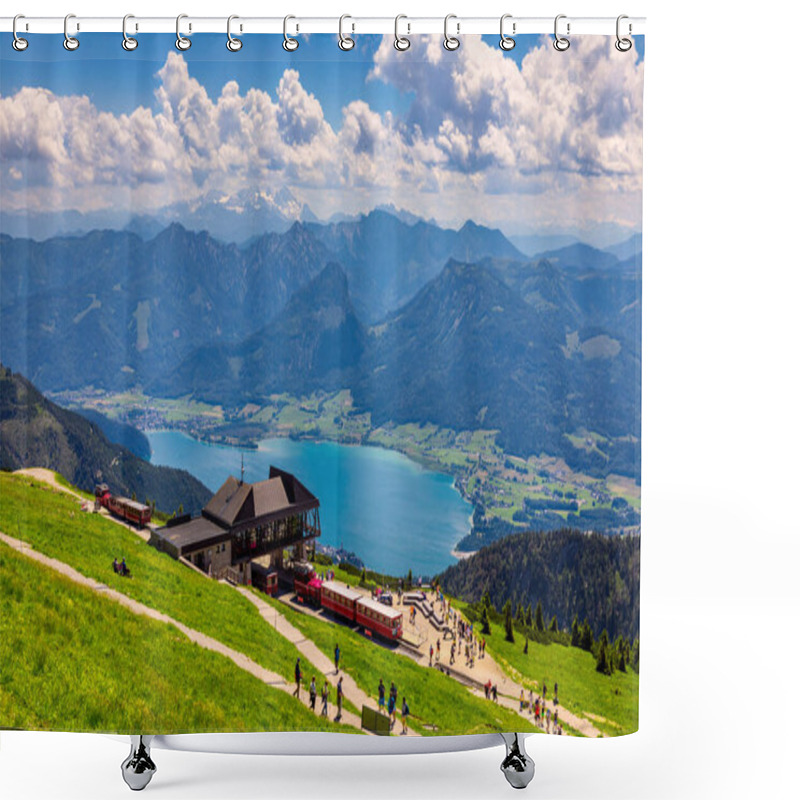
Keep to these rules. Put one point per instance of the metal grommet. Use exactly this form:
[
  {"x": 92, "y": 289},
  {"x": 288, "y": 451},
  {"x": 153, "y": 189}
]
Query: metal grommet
[
  {"x": 70, "y": 42},
  {"x": 451, "y": 42},
  {"x": 507, "y": 42},
  {"x": 623, "y": 44},
  {"x": 181, "y": 42},
  {"x": 401, "y": 43},
  {"x": 345, "y": 42},
  {"x": 289, "y": 44},
  {"x": 129, "y": 43},
  {"x": 561, "y": 43},
  {"x": 233, "y": 44},
  {"x": 18, "y": 43}
]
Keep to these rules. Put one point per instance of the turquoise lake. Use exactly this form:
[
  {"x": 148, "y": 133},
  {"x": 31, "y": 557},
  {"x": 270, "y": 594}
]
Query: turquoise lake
[{"x": 391, "y": 512}]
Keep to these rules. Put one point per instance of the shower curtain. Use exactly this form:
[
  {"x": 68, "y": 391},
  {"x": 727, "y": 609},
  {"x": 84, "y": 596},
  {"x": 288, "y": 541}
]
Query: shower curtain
[{"x": 320, "y": 385}]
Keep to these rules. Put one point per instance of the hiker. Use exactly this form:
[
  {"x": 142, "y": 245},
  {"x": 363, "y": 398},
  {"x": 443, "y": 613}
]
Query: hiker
[
  {"x": 536, "y": 713},
  {"x": 297, "y": 677},
  {"x": 336, "y": 655},
  {"x": 339, "y": 699},
  {"x": 487, "y": 687},
  {"x": 324, "y": 710},
  {"x": 404, "y": 714},
  {"x": 391, "y": 710},
  {"x": 544, "y": 691},
  {"x": 124, "y": 567},
  {"x": 555, "y": 694},
  {"x": 116, "y": 565},
  {"x": 530, "y": 700},
  {"x": 381, "y": 695},
  {"x": 430, "y": 657},
  {"x": 521, "y": 700},
  {"x": 547, "y": 717},
  {"x": 555, "y": 719},
  {"x": 494, "y": 693},
  {"x": 452, "y": 653},
  {"x": 438, "y": 649},
  {"x": 312, "y": 692}
]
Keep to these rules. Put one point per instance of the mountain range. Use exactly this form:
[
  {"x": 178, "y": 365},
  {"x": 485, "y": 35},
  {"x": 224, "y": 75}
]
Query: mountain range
[
  {"x": 422, "y": 324},
  {"x": 35, "y": 432}
]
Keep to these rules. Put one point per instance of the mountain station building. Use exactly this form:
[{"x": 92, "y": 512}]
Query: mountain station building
[{"x": 243, "y": 531}]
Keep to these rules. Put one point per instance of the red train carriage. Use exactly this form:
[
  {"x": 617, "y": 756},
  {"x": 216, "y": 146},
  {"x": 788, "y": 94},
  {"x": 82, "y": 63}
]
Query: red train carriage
[
  {"x": 379, "y": 618},
  {"x": 340, "y": 598},
  {"x": 122, "y": 507},
  {"x": 307, "y": 586}
]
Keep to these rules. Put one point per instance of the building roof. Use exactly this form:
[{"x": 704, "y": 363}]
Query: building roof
[
  {"x": 237, "y": 502},
  {"x": 194, "y": 534}
]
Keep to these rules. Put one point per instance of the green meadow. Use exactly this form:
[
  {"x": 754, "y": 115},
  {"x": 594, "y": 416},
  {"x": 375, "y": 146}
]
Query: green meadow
[
  {"x": 439, "y": 705},
  {"x": 76, "y": 661},
  {"x": 54, "y": 524},
  {"x": 610, "y": 702}
]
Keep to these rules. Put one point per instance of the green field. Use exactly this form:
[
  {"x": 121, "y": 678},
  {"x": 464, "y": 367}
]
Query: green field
[
  {"x": 610, "y": 702},
  {"x": 75, "y": 661},
  {"x": 54, "y": 524},
  {"x": 439, "y": 705}
]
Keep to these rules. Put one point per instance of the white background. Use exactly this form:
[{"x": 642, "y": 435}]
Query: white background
[{"x": 720, "y": 598}]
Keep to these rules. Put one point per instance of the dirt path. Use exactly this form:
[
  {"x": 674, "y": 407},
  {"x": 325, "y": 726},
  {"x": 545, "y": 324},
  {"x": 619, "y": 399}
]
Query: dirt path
[
  {"x": 49, "y": 477},
  {"x": 314, "y": 655},
  {"x": 242, "y": 661},
  {"x": 485, "y": 669}
]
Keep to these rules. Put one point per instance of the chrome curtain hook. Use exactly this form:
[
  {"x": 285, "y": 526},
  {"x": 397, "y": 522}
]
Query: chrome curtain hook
[
  {"x": 507, "y": 42},
  {"x": 70, "y": 42},
  {"x": 345, "y": 42},
  {"x": 451, "y": 42},
  {"x": 233, "y": 44},
  {"x": 561, "y": 43},
  {"x": 289, "y": 44},
  {"x": 401, "y": 43},
  {"x": 181, "y": 42},
  {"x": 18, "y": 43},
  {"x": 128, "y": 42},
  {"x": 623, "y": 44}
]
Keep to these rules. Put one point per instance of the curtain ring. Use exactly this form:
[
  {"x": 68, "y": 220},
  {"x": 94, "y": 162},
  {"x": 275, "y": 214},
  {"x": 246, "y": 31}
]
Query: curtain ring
[
  {"x": 401, "y": 43},
  {"x": 507, "y": 42},
  {"x": 561, "y": 43},
  {"x": 70, "y": 42},
  {"x": 451, "y": 42},
  {"x": 233, "y": 44},
  {"x": 345, "y": 42},
  {"x": 129, "y": 43},
  {"x": 623, "y": 44},
  {"x": 289, "y": 44},
  {"x": 18, "y": 43},
  {"x": 182, "y": 43}
]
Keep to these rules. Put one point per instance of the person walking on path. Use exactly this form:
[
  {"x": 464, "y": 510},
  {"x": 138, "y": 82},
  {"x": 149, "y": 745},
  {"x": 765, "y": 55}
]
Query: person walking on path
[
  {"x": 530, "y": 700},
  {"x": 494, "y": 693},
  {"x": 452, "y": 654},
  {"x": 404, "y": 713},
  {"x": 430, "y": 657},
  {"x": 312, "y": 693},
  {"x": 339, "y": 699},
  {"x": 381, "y": 696},
  {"x": 337, "y": 653},
  {"x": 298, "y": 675},
  {"x": 438, "y": 649},
  {"x": 521, "y": 700},
  {"x": 547, "y": 717},
  {"x": 324, "y": 710},
  {"x": 544, "y": 691},
  {"x": 555, "y": 694}
]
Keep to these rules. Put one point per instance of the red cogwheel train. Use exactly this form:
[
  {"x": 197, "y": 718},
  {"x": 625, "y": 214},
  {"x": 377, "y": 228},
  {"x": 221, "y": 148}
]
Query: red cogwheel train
[
  {"x": 122, "y": 507},
  {"x": 347, "y": 602}
]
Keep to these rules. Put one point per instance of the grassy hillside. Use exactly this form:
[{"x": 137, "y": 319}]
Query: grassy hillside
[
  {"x": 54, "y": 524},
  {"x": 35, "y": 432},
  {"x": 439, "y": 705},
  {"x": 611, "y": 702},
  {"x": 72, "y": 660}
]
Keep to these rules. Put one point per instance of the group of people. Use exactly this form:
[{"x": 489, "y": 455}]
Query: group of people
[
  {"x": 120, "y": 567},
  {"x": 542, "y": 715},
  {"x": 391, "y": 706},
  {"x": 324, "y": 693}
]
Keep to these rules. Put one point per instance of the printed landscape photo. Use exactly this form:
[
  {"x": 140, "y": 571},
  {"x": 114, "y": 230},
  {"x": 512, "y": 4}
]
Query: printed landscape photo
[{"x": 320, "y": 395}]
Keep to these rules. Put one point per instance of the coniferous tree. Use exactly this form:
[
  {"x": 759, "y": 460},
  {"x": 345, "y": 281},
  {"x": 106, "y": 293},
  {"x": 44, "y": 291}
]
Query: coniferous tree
[
  {"x": 529, "y": 616},
  {"x": 509, "y": 622},
  {"x": 486, "y": 628},
  {"x": 525, "y": 650},
  {"x": 520, "y": 615},
  {"x": 553, "y": 625},
  {"x": 604, "y": 662},
  {"x": 587, "y": 640},
  {"x": 539, "y": 617},
  {"x": 576, "y": 633}
]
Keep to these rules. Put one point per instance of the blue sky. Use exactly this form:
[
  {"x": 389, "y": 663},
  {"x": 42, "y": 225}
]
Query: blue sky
[{"x": 532, "y": 139}]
